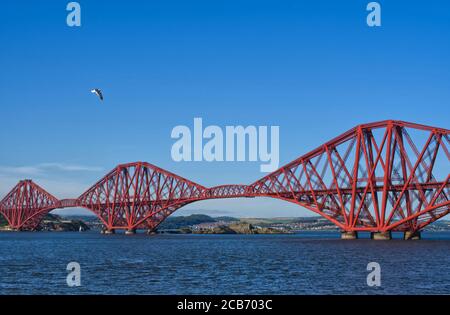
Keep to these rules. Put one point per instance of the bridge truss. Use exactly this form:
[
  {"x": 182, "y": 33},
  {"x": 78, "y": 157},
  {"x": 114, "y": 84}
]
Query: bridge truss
[{"x": 379, "y": 177}]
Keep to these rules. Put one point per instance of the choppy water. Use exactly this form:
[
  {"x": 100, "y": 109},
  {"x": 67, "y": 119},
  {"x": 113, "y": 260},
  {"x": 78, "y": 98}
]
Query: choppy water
[{"x": 306, "y": 263}]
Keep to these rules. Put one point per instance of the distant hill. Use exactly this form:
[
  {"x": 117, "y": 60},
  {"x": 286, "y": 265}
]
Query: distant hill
[
  {"x": 84, "y": 218},
  {"x": 281, "y": 220},
  {"x": 226, "y": 219},
  {"x": 175, "y": 222}
]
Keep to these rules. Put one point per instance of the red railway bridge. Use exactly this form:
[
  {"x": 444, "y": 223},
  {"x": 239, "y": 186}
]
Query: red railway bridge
[{"x": 379, "y": 177}]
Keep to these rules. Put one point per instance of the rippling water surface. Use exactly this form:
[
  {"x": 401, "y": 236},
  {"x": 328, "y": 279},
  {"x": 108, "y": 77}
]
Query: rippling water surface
[{"x": 305, "y": 263}]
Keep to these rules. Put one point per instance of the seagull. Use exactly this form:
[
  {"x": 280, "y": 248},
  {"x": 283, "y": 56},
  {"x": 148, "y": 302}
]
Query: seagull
[{"x": 98, "y": 92}]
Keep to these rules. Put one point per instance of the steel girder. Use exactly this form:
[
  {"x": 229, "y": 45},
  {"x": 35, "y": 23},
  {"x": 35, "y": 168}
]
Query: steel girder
[{"x": 384, "y": 176}]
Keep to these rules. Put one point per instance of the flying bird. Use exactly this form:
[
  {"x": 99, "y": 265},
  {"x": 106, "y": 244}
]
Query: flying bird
[{"x": 98, "y": 92}]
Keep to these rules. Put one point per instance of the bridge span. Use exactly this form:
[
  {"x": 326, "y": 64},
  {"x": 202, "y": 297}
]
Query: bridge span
[{"x": 379, "y": 177}]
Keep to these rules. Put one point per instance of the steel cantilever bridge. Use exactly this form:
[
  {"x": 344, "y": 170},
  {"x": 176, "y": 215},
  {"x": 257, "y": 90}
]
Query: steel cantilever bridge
[{"x": 379, "y": 177}]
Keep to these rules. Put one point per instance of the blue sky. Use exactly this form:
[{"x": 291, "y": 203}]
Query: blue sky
[{"x": 314, "y": 68}]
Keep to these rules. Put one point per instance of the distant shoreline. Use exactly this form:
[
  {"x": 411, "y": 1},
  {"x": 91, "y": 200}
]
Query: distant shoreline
[{"x": 204, "y": 224}]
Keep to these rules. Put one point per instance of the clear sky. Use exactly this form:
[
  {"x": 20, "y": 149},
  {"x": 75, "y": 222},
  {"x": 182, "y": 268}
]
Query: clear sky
[{"x": 314, "y": 68}]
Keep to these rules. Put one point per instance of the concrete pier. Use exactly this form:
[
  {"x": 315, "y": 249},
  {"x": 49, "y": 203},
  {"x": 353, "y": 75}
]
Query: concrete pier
[
  {"x": 130, "y": 232},
  {"x": 108, "y": 232},
  {"x": 412, "y": 235},
  {"x": 381, "y": 236},
  {"x": 349, "y": 235}
]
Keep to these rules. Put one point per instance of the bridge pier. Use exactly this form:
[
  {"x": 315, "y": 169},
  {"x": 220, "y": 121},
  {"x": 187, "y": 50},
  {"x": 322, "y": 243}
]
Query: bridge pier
[
  {"x": 130, "y": 232},
  {"x": 108, "y": 231},
  {"x": 349, "y": 235},
  {"x": 381, "y": 236},
  {"x": 409, "y": 235}
]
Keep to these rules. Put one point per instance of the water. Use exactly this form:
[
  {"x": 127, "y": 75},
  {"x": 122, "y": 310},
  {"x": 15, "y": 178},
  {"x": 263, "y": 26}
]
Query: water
[{"x": 305, "y": 263}]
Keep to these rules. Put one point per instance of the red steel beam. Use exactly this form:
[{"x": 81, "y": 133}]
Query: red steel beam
[{"x": 375, "y": 177}]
